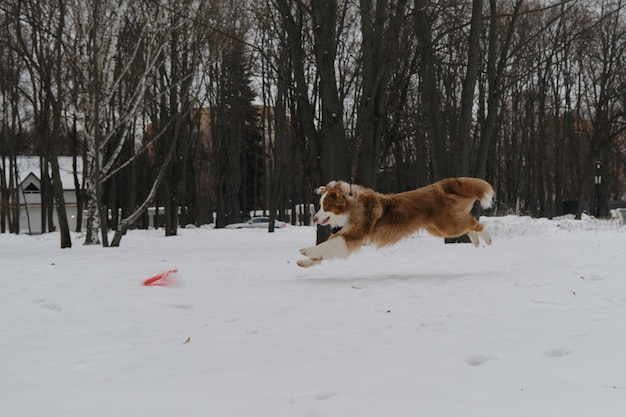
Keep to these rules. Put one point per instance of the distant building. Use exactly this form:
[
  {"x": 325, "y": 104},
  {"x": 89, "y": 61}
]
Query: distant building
[{"x": 29, "y": 192}]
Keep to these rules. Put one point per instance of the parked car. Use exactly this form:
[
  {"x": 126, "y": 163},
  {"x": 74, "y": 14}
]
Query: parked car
[{"x": 256, "y": 222}]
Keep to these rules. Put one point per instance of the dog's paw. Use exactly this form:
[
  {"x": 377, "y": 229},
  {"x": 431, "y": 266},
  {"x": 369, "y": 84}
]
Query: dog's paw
[
  {"x": 335, "y": 247},
  {"x": 486, "y": 236},
  {"x": 310, "y": 252},
  {"x": 305, "y": 263},
  {"x": 474, "y": 238}
]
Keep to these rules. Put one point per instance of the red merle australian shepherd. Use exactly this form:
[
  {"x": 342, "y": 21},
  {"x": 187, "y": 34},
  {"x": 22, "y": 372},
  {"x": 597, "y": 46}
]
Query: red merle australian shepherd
[{"x": 365, "y": 216}]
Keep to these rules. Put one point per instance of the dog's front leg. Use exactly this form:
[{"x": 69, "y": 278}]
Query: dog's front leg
[
  {"x": 335, "y": 247},
  {"x": 305, "y": 263}
]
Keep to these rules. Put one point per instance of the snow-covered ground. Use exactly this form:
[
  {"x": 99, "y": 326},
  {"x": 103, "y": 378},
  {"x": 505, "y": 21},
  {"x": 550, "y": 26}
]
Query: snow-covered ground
[{"x": 534, "y": 325}]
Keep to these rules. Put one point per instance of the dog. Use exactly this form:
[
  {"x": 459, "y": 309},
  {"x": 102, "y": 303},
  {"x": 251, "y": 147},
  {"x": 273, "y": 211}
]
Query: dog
[{"x": 363, "y": 215}]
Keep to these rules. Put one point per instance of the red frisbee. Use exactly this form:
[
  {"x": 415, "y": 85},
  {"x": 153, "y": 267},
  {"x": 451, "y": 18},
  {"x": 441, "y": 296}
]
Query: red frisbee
[{"x": 161, "y": 280}]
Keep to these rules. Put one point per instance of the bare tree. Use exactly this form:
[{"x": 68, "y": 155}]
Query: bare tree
[
  {"x": 233, "y": 124},
  {"x": 327, "y": 143},
  {"x": 429, "y": 88},
  {"x": 11, "y": 132},
  {"x": 40, "y": 30},
  {"x": 608, "y": 52},
  {"x": 469, "y": 88},
  {"x": 97, "y": 28},
  {"x": 178, "y": 69},
  {"x": 381, "y": 29},
  {"x": 497, "y": 57}
]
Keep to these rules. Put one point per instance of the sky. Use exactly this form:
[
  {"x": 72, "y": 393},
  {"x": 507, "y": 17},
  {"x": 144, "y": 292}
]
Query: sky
[{"x": 532, "y": 325}]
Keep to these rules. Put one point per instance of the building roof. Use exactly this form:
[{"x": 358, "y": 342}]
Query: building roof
[{"x": 27, "y": 165}]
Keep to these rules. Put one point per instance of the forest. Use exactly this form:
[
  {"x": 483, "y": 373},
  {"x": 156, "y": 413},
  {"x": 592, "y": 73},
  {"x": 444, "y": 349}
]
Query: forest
[{"x": 213, "y": 109}]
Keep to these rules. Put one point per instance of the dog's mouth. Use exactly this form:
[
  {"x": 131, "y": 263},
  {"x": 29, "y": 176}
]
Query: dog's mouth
[{"x": 325, "y": 221}]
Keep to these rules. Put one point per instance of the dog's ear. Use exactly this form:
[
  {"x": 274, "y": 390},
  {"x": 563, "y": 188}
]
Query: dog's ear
[
  {"x": 321, "y": 190},
  {"x": 337, "y": 195}
]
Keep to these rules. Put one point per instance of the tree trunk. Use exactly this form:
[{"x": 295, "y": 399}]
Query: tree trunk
[
  {"x": 430, "y": 91},
  {"x": 333, "y": 147},
  {"x": 333, "y": 156},
  {"x": 122, "y": 228},
  {"x": 469, "y": 85},
  {"x": 380, "y": 56},
  {"x": 328, "y": 146},
  {"x": 47, "y": 199},
  {"x": 93, "y": 138},
  {"x": 55, "y": 139},
  {"x": 59, "y": 198},
  {"x": 495, "y": 72},
  {"x": 91, "y": 196}
]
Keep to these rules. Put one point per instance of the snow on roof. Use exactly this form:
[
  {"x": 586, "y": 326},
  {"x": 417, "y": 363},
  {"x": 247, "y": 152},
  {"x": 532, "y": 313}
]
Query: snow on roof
[{"x": 31, "y": 165}]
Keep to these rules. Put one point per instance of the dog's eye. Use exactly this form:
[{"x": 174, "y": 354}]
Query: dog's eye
[
  {"x": 327, "y": 202},
  {"x": 334, "y": 200}
]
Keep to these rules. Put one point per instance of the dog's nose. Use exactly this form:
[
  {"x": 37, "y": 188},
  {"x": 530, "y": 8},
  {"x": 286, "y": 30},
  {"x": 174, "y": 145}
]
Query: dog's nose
[{"x": 315, "y": 219}]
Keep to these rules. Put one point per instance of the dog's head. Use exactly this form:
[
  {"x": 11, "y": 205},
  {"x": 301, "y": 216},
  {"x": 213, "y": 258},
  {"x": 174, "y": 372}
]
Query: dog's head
[{"x": 335, "y": 204}]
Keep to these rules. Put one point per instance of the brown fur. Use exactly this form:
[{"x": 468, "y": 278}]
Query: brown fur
[{"x": 442, "y": 209}]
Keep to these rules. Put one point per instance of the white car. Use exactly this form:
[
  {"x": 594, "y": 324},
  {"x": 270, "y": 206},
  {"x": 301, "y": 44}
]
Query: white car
[{"x": 256, "y": 222}]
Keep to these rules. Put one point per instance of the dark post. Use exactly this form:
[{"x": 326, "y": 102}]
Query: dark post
[{"x": 598, "y": 181}]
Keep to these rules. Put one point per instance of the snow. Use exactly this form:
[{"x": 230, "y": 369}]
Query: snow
[{"x": 530, "y": 326}]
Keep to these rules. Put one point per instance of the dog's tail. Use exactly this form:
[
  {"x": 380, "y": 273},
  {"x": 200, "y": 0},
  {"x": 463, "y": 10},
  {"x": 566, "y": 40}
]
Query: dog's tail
[{"x": 471, "y": 188}]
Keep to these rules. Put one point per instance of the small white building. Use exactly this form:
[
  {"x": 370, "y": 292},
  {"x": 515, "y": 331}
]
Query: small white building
[{"x": 29, "y": 193}]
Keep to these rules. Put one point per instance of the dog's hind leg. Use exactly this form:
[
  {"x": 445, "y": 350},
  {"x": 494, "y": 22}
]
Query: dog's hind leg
[
  {"x": 479, "y": 230},
  {"x": 474, "y": 237},
  {"x": 485, "y": 235}
]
